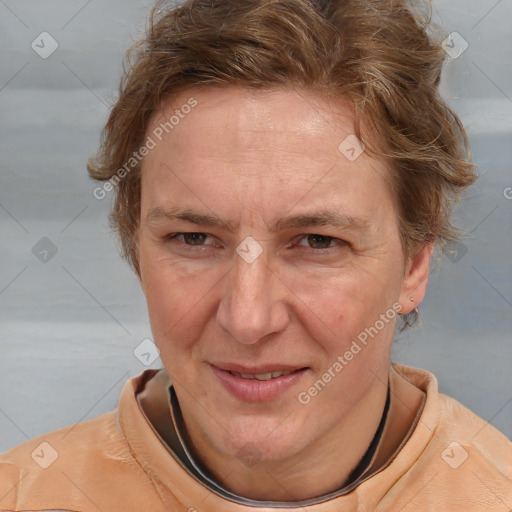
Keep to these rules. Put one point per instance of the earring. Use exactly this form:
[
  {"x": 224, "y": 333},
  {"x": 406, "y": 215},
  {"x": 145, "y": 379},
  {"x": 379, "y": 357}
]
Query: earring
[{"x": 412, "y": 299}]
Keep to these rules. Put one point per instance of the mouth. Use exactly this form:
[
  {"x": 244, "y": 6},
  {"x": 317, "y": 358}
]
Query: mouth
[
  {"x": 263, "y": 376},
  {"x": 257, "y": 384}
]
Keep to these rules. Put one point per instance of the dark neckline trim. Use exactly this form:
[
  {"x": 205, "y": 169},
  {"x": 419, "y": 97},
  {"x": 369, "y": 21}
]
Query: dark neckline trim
[{"x": 372, "y": 448}]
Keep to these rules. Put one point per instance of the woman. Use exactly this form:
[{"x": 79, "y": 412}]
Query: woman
[{"x": 283, "y": 170}]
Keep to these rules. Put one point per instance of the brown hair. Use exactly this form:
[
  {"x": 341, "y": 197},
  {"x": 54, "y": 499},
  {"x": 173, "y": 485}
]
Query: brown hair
[{"x": 375, "y": 53}]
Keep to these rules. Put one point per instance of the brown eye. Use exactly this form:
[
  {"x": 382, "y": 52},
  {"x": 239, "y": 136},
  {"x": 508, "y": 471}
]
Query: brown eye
[
  {"x": 189, "y": 238},
  {"x": 194, "y": 238},
  {"x": 319, "y": 241}
]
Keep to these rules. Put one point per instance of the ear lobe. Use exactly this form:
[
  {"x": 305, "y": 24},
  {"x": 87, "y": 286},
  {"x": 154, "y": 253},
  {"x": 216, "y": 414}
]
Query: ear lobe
[{"x": 416, "y": 279}]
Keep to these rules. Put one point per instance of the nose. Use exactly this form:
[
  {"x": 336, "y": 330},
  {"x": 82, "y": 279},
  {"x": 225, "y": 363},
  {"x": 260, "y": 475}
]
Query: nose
[{"x": 252, "y": 306}]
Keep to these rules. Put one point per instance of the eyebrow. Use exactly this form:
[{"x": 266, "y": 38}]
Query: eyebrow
[
  {"x": 202, "y": 219},
  {"x": 319, "y": 218}
]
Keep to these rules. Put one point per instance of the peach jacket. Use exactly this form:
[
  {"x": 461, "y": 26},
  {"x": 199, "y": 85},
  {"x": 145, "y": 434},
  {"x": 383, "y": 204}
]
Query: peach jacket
[{"x": 452, "y": 460}]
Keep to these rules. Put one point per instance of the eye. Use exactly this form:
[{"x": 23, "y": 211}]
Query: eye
[
  {"x": 190, "y": 238},
  {"x": 315, "y": 241}
]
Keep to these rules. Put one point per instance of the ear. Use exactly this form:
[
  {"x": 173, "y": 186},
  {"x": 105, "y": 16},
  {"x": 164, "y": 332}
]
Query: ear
[{"x": 416, "y": 279}]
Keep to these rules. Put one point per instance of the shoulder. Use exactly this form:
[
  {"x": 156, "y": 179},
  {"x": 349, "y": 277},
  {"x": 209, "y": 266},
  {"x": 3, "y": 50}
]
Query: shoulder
[
  {"x": 457, "y": 455},
  {"x": 76, "y": 468},
  {"x": 466, "y": 437},
  {"x": 41, "y": 473}
]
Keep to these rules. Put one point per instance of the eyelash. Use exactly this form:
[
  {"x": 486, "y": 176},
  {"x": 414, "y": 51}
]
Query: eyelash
[{"x": 337, "y": 241}]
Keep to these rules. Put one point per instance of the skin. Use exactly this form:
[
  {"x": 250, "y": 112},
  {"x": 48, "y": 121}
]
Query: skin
[{"x": 252, "y": 158}]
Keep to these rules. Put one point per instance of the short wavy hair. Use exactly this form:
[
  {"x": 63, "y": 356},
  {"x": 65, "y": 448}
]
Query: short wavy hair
[{"x": 377, "y": 54}]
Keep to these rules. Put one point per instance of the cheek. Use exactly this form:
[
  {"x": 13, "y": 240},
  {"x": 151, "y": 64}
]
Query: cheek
[
  {"x": 345, "y": 301},
  {"x": 343, "y": 317},
  {"x": 178, "y": 302}
]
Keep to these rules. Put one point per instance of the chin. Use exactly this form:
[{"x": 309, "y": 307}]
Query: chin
[{"x": 256, "y": 440}]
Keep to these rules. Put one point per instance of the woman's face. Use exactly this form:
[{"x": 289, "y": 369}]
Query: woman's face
[{"x": 267, "y": 247}]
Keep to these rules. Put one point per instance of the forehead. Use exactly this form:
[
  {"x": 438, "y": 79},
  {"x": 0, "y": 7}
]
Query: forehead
[
  {"x": 229, "y": 117},
  {"x": 292, "y": 142}
]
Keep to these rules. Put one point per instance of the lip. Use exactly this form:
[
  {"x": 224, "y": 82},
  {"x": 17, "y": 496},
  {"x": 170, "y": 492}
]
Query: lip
[
  {"x": 253, "y": 390},
  {"x": 253, "y": 370}
]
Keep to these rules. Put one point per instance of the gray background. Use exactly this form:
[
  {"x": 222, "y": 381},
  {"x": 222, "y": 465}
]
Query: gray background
[{"x": 70, "y": 324}]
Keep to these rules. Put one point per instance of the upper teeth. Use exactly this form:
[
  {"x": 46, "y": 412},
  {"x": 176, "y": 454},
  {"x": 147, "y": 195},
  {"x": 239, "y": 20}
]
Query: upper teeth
[{"x": 262, "y": 376}]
